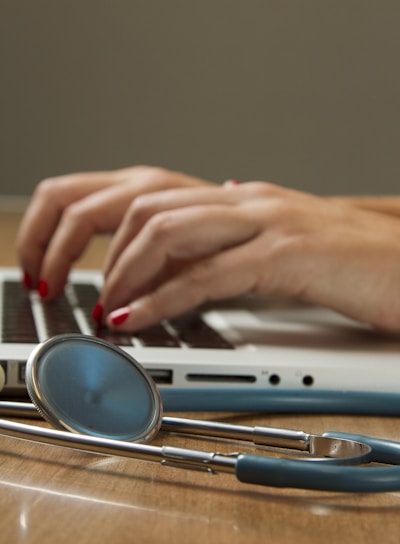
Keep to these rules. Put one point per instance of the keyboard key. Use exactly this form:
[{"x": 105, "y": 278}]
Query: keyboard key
[
  {"x": 87, "y": 295},
  {"x": 116, "y": 338},
  {"x": 157, "y": 336},
  {"x": 19, "y": 325},
  {"x": 196, "y": 333},
  {"x": 59, "y": 318}
]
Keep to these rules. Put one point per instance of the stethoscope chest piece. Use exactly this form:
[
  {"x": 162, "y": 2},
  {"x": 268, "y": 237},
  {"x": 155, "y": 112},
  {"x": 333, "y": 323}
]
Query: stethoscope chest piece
[{"x": 110, "y": 395}]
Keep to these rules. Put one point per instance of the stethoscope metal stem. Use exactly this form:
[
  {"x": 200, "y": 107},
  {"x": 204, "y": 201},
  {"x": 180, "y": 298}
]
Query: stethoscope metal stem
[
  {"x": 316, "y": 445},
  {"x": 262, "y": 436},
  {"x": 340, "y": 449},
  {"x": 166, "y": 455},
  {"x": 19, "y": 409}
]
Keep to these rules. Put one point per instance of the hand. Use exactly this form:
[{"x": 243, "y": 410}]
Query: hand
[
  {"x": 177, "y": 249},
  {"x": 65, "y": 212},
  {"x": 389, "y": 205}
]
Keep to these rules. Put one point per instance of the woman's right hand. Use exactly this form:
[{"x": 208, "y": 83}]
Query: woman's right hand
[{"x": 66, "y": 211}]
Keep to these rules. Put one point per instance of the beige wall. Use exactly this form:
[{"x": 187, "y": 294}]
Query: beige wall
[{"x": 301, "y": 92}]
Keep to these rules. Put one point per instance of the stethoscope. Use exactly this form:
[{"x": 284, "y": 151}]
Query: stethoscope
[{"x": 101, "y": 400}]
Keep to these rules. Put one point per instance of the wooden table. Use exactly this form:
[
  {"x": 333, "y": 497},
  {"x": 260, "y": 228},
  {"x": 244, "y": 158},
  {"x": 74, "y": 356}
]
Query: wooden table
[{"x": 53, "y": 495}]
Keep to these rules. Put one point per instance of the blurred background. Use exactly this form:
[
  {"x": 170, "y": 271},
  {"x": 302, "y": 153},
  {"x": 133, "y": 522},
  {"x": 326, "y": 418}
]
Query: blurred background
[{"x": 304, "y": 93}]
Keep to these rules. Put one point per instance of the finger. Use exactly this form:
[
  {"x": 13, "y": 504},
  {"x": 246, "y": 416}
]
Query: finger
[
  {"x": 97, "y": 213},
  {"x": 148, "y": 205},
  {"x": 225, "y": 275},
  {"x": 50, "y": 199},
  {"x": 184, "y": 234}
]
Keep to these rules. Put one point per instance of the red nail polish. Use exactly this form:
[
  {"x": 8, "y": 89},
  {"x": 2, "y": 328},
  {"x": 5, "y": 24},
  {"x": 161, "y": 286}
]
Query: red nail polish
[
  {"x": 119, "y": 316},
  {"x": 97, "y": 313},
  {"x": 43, "y": 288},
  {"x": 27, "y": 281}
]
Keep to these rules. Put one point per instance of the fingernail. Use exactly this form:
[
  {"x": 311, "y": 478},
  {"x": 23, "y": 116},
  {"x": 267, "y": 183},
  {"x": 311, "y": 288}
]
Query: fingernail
[
  {"x": 43, "y": 288},
  {"x": 231, "y": 183},
  {"x": 119, "y": 316},
  {"x": 27, "y": 281},
  {"x": 97, "y": 313}
]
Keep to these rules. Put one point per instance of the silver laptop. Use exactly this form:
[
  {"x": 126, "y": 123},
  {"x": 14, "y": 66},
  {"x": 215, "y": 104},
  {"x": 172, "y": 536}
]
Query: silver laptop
[{"x": 249, "y": 354}]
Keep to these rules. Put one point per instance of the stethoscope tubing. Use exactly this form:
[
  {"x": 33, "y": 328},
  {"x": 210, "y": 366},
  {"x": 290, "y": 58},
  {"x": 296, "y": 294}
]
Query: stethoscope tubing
[
  {"x": 248, "y": 468},
  {"x": 306, "y": 475},
  {"x": 306, "y": 401},
  {"x": 354, "y": 479}
]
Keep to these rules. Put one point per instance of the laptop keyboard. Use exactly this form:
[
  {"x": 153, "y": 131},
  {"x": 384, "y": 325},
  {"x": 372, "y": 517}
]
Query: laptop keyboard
[{"x": 189, "y": 330}]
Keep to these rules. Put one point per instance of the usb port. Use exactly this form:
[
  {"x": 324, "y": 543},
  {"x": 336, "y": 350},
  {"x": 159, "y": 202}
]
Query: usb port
[
  {"x": 21, "y": 372},
  {"x": 160, "y": 377},
  {"x": 3, "y": 366}
]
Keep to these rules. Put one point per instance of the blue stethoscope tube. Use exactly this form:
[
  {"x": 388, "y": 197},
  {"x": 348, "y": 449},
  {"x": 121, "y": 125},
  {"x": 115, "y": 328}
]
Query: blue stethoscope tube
[
  {"x": 283, "y": 401},
  {"x": 293, "y": 473},
  {"x": 297, "y": 474}
]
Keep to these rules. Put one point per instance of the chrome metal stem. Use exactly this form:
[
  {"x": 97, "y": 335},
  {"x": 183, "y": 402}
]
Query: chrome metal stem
[
  {"x": 345, "y": 451},
  {"x": 19, "y": 409},
  {"x": 262, "y": 436},
  {"x": 169, "y": 456}
]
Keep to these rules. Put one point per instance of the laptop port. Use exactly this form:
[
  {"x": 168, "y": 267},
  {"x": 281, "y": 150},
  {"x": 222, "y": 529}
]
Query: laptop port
[
  {"x": 161, "y": 377},
  {"x": 274, "y": 379},
  {"x": 3, "y": 371},
  {"x": 308, "y": 380},
  {"x": 21, "y": 372},
  {"x": 221, "y": 378}
]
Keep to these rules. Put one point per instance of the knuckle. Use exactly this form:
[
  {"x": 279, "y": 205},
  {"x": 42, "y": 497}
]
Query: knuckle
[
  {"x": 281, "y": 209},
  {"x": 201, "y": 273},
  {"x": 283, "y": 212},
  {"x": 133, "y": 171},
  {"x": 74, "y": 213},
  {"x": 140, "y": 209},
  {"x": 161, "y": 226},
  {"x": 264, "y": 188},
  {"x": 46, "y": 188},
  {"x": 151, "y": 173},
  {"x": 144, "y": 168},
  {"x": 53, "y": 188}
]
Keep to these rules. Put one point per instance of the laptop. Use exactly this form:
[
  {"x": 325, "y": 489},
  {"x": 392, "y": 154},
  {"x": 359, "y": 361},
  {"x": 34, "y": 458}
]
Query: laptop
[{"x": 247, "y": 354}]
